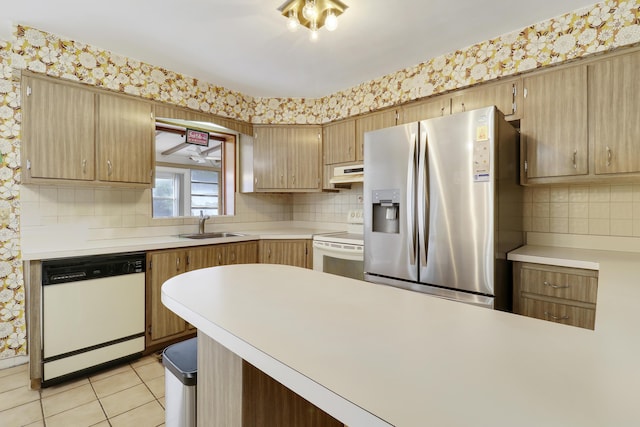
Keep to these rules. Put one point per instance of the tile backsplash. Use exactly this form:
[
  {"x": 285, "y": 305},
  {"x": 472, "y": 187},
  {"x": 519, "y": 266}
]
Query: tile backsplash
[
  {"x": 606, "y": 210},
  {"x": 115, "y": 212}
]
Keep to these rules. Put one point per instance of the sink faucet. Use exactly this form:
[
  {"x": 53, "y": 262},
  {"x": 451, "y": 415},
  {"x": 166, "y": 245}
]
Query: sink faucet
[{"x": 203, "y": 218}]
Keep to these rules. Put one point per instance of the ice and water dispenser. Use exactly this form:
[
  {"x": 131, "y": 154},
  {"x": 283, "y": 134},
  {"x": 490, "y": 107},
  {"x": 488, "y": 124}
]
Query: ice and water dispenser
[{"x": 386, "y": 207}]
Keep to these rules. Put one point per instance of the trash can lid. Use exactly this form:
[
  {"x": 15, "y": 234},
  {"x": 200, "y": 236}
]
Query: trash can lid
[{"x": 182, "y": 360}]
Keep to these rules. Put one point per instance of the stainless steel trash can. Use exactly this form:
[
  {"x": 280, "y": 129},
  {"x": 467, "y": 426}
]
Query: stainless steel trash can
[{"x": 181, "y": 371}]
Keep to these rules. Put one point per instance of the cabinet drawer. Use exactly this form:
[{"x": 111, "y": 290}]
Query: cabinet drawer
[
  {"x": 560, "y": 284},
  {"x": 559, "y": 313}
]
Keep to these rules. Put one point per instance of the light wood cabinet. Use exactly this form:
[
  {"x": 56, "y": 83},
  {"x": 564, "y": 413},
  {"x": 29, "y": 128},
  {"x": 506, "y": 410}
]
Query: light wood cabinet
[
  {"x": 288, "y": 252},
  {"x": 305, "y": 153},
  {"x": 73, "y": 133},
  {"x": 554, "y": 125},
  {"x": 339, "y": 142},
  {"x": 369, "y": 122},
  {"x": 615, "y": 114},
  {"x": 502, "y": 95},
  {"x": 125, "y": 140},
  {"x": 427, "y": 109},
  {"x": 287, "y": 158},
  {"x": 242, "y": 253},
  {"x": 557, "y": 294},
  {"x": 58, "y": 131},
  {"x": 162, "y": 324}
]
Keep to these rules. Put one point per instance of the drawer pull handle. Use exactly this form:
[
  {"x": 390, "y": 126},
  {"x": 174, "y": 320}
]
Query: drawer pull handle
[
  {"x": 556, "y": 286},
  {"x": 546, "y": 313}
]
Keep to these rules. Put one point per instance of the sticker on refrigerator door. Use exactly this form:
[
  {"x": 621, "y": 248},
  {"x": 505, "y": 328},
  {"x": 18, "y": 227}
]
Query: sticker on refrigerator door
[
  {"x": 481, "y": 161},
  {"x": 482, "y": 133}
]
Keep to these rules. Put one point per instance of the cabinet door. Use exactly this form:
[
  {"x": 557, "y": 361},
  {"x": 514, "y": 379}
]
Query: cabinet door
[
  {"x": 554, "y": 123},
  {"x": 615, "y": 114},
  {"x": 373, "y": 121},
  {"x": 58, "y": 129},
  {"x": 432, "y": 107},
  {"x": 270, "y": 158},
  {"x": 339, "y": 142},
  {"x": 288, "y": 252},
  {"x": 125, "y": 140},
  {"x": 303, "y": 162},
  {"x": 242, "y": 253},
  {"x": 501, "y": 95},
  {"x": 163, "y": 265}
]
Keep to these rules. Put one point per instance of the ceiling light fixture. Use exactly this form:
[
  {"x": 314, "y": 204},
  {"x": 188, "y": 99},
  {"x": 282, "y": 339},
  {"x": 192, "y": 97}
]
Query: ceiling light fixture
[{"x": 313, "y": 14}]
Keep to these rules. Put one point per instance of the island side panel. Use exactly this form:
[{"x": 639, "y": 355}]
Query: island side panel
[
  {"x": 219, "y": 401},
  {"x": 268, "y": 403}
]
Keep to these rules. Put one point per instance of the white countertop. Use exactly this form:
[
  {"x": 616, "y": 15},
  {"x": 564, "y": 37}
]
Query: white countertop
[
  {"x": 60, "y": 247},
  {"x": 377, "y": 355}
]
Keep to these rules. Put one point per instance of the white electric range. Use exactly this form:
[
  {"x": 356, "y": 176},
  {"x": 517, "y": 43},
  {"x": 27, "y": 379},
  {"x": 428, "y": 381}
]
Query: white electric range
[{"x": 341, "y": 253}]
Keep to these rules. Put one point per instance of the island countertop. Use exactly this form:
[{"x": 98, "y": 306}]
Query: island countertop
[{"x": 376, "y": 355}]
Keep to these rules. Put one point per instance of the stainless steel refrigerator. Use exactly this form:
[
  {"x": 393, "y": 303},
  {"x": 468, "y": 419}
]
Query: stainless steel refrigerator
[{"x": 443, "y": 206}]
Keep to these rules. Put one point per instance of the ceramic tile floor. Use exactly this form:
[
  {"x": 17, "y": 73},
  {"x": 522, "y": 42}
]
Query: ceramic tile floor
[{"x": 127, "y": 395}]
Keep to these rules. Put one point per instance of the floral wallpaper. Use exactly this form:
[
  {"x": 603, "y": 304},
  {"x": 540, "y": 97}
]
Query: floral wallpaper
[
  {"x": 602, "y": 27},
  {"x": 12, "y": 293}
]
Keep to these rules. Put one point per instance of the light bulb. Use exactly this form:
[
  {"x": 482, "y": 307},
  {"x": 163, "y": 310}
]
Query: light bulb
[
  {"x": 314, "y": 31},
  {"x": 292, "y": 21},
  {"x": 309, "y": 10},
  {"x": 331, "y": 21}
]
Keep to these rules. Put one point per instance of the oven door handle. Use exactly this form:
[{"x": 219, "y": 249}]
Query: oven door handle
[{"x": 319, "y": 245}]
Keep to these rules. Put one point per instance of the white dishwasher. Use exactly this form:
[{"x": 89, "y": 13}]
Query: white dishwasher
[{"x": 92, "y": 313}]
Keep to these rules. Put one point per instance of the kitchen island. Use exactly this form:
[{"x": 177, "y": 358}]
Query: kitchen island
[{"x": 373, "y": 355}]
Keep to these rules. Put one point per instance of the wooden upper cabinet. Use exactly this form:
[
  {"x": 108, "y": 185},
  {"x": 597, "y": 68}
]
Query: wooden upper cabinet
[
  {"x": 554, "y": 123},
  {"x": 369, "y": 122},
  {"x": 125, "y": 139},
  {"x": 339, "y": 142},
  {"x": 615, "y": 114},
  {"x": 74, "y": 132},
  {"x": 432, "y": 107},
  {"x": 305, "y": 150},
  {"x": 58, "y": 130},
  {"x": 287, "y": 158},
  {"x": 502, "y": 95},
  {"x": 270, "y": 158}
]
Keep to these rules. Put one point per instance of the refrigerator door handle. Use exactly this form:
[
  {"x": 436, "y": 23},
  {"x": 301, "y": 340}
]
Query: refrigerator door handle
[
  {"x": 411, "y": 200},
  {"x": 422, "y": 197}
]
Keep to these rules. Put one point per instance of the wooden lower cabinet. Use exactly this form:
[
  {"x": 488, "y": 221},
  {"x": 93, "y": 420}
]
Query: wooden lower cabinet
[
  {"x": 163, "y": 326},
  {"x": 288, "y": 252},
  {"x": 557, "y": 294}
]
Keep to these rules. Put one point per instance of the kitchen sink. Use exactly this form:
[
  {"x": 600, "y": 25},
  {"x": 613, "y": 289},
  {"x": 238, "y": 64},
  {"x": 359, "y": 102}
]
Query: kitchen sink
[{"x": 212, "y": 235}]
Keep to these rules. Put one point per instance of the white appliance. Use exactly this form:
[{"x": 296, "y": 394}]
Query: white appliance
[
  {"x": 92, "y": 313},
  {"x": 444, "y": 206},
  {"x": 341, "y": 253},
  {"x": 347, "y": 174}
]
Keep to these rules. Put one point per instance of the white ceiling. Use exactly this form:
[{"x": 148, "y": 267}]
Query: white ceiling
[{"x": 244, "y": 45}]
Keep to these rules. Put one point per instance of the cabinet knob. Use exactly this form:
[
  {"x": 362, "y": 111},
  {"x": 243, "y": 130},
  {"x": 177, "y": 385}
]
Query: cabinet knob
[
  {"x": 84, "y": 165},
  {"x": 109, "y": 168},
  {"x": 608, "y": 156},
  {"x": 575, "y": 155}
]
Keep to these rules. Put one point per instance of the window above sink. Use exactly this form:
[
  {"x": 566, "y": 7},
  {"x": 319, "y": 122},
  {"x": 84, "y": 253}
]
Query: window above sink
[{"x": 193, "y": 177}]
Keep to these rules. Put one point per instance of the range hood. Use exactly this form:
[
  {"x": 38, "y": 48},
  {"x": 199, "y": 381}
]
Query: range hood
[{"x": 347, "y": 174}]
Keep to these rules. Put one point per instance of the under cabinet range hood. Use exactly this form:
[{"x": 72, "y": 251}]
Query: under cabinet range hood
[{"x": 347, "y": 174}]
